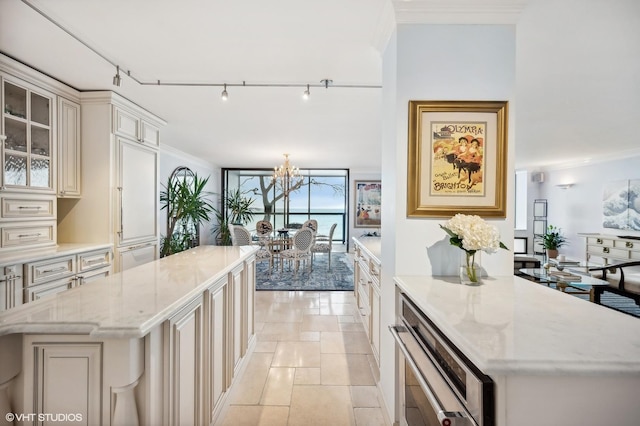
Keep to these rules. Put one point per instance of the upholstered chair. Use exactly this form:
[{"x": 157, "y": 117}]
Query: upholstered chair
[
  {"x": 301, "y": 250},
  {"x": 240, "y": 236},
  {"x": 323, "y": 244}
]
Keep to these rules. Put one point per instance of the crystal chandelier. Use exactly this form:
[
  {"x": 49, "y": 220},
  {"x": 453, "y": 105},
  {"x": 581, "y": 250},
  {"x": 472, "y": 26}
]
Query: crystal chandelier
[{"x": 288, "y": 178}]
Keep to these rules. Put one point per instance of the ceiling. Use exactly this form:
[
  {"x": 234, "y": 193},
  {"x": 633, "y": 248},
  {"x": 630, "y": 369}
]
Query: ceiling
[{"x": 275, "y": 42}]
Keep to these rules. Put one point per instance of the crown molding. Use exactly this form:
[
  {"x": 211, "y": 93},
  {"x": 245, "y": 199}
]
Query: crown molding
[
  {"x": 452, "y": 12},
  {"x": 458, "y": 11}
]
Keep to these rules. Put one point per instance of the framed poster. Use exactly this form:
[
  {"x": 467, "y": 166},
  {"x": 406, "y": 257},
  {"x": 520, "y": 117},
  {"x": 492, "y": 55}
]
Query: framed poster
[
  {"x": 367, "y": 204},
  {"x": 457, "y": 158}
]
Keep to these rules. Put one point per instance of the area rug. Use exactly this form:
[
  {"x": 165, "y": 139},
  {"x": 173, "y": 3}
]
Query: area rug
[{"x": 339, "y": 278}]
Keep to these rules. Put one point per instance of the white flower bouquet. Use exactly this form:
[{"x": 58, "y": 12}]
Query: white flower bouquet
[{"x": 472, "y": 233}]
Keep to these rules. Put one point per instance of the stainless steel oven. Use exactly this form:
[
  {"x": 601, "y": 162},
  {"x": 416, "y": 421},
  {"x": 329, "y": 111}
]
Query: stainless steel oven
[{"x": 438, "y": 384}]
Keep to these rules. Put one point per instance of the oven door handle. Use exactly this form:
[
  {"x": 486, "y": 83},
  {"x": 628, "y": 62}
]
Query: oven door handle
[{"x": 446, "y": 418}]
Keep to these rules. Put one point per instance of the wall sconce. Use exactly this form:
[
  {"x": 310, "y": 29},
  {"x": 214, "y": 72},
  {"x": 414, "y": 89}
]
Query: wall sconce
[{"x": 565, "y": 185}]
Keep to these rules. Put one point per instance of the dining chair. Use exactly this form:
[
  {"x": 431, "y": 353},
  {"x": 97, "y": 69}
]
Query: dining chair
[
  {"x": 240, "y": 236},
  {"x": 301, "y": 250},
  {"x": 323, "y": 244}
]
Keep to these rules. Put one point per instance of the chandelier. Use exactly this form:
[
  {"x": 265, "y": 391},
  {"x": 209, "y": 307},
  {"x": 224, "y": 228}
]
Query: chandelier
[{"x": 288, "y": 178}]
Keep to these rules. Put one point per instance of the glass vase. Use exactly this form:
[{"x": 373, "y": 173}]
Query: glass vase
[{"x": 470, "y": 270}]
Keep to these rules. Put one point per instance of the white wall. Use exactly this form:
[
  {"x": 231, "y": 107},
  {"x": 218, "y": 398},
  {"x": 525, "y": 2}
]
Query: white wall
[
  {"x": 579, "y": 208},
  {"x": 171, "y": 158},
  {"x": 435, "y": 62}
]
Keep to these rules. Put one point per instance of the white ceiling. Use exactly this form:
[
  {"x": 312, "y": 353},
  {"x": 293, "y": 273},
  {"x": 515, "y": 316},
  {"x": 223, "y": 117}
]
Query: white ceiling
[{"x": 282, "y": 42}]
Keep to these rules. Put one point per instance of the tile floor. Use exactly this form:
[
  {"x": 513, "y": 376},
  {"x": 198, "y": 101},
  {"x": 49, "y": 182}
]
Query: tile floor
[{"x": 311, "y": 365}]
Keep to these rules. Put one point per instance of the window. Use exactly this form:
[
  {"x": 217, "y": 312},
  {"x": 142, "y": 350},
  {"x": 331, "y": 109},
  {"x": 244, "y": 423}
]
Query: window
[{"x": 321, "y": 196}]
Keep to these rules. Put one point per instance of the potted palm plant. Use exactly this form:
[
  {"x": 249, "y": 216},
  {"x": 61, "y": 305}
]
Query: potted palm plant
[
  {"x": 236, "y": 210},
  {"x": 552, "y": 240},
  {"x": 187, "y": 205}
]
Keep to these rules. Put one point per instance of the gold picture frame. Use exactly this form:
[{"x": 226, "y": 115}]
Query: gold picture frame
[{"x": 457, "y": 158}]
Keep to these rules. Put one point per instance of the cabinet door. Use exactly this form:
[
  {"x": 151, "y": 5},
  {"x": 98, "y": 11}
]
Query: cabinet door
[
  {"x": 27, "y": 123},
  {"x": 126, "y": 124},
  {"x": 216, "y": 348},
  {"x": 11, "y": 287},
  {"x": 236, "y": 324},
  {"x": 69, "y": 171},
  {"x": 138, "y": 193},
  {"x": 183, "y": 337},
  {"x": 375, "y": 322},
  {"x": 150, "y": 134}
]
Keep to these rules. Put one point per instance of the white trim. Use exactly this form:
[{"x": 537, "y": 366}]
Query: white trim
[
  {"x": 458, "y": 11},
  {"x": 167, "y": 149}
]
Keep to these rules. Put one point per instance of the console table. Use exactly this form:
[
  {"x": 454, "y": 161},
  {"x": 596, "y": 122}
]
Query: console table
[{"x": 611, "y": 248}]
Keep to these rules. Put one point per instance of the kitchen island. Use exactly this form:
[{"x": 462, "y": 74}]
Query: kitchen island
[
  {"x": 156, "y": 344},
  {"x": 554, "y": 359}
]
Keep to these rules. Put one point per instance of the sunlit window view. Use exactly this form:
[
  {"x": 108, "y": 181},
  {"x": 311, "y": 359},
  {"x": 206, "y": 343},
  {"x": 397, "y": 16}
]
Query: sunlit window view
[{"x": 319, "y": 194}]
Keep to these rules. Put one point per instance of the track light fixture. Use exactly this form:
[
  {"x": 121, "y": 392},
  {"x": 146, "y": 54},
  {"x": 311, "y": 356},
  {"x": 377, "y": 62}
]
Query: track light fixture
[
  {"x": 306, "y": 93},
  {"x": 116, "y": 78}
]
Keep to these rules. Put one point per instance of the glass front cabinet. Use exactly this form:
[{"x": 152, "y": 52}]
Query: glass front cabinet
[{"x": 27, "y": 126}]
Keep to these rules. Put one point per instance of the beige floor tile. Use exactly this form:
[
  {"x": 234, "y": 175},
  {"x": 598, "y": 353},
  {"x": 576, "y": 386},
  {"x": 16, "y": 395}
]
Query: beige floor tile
[
  {"x": 345, "y": 369},
  {"x": 321, "y": 406},
  {"x": 307, "y": 376},
  {"x": 297, "y": 354},
  {"x": 344, "y": 342},
  {"x": 369, "y": 417},
  {"x": 309, "y": 336},
  {"x": 243, "y": 415},
  {"x": 279, "y": 386},
  {"x": 320, "y": 323},
  {"x": 365, "y": 396},
  {"x": 248, "y": 387},
  {"x": 351, "y": 326},
  {"x": 336, "y": 309},
  {"x": 346, "y": 318},
  {"x": 265, "y": 346}
]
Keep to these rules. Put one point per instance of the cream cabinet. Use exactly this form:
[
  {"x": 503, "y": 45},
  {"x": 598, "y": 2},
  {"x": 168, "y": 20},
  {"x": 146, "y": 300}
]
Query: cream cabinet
[
  {"x": 120, "y": 193},
  {"x": 51, "y": 275},
  {"x": 10, "y": 287},
  {"x": 366, "y": 281},
  {"x": 215, "y": 354},
  {"x": 69, "y": 153}
]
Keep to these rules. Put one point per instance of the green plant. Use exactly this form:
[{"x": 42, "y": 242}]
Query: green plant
[
  {"x": 187, "y": 207},
  {"x": 553, "y": 238},
  {"x": 236, "y": 210}
]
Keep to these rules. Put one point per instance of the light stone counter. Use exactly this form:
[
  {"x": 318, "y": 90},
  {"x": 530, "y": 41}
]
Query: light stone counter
[
  {"x": 513, "y": 326},
  {"x": 130, "y": 303},
  {"x": 371, "y": 245}
]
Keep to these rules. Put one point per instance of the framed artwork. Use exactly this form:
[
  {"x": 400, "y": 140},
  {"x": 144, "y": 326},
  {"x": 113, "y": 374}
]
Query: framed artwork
[
  {"x": 457, "y": 158},
  {"x": 367, "y": 204}
]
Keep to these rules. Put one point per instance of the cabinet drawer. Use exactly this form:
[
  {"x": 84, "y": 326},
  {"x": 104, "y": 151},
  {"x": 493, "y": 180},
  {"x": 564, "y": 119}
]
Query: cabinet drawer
[
  {"x": 609, "y": 252},
  {"x": 627, "y": 245},
  {"x": 599, "y": 241},
  {"x": 36, "y": 292},
  {"x": 94, "y": 259},
  {"x": 41, "y": 234},
  {"x": 15, "y": 207},
  {"x": 47, "y": 270}
]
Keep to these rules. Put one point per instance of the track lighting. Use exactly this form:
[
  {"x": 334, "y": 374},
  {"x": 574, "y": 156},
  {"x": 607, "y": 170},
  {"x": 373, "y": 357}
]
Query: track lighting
[
  {"x": 116, "y": 78},
  {"x": 306, "y": 93},
  {"x": 224, "y": 95}
]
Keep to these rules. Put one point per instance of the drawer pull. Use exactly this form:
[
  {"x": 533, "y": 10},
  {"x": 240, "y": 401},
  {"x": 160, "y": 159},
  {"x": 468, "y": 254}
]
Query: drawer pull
[
  {"x": 599, "y": 241},
  {"x": 61, "y": 268},
  {"x": 29, "y": 235},
  {"x": 29, "y": 207},
  {"x": 92, "y": 261},
  {"x": 628, "y": 244},
  {"x": 605, "y": 249}
]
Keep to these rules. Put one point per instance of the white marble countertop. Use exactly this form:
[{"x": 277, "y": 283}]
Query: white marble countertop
[
  {"x": 129, "y": 303},
  {"x": 510, "y": 325},
  {"x": 371, "y": 245},
  {"x": 63, "y": 249}
]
